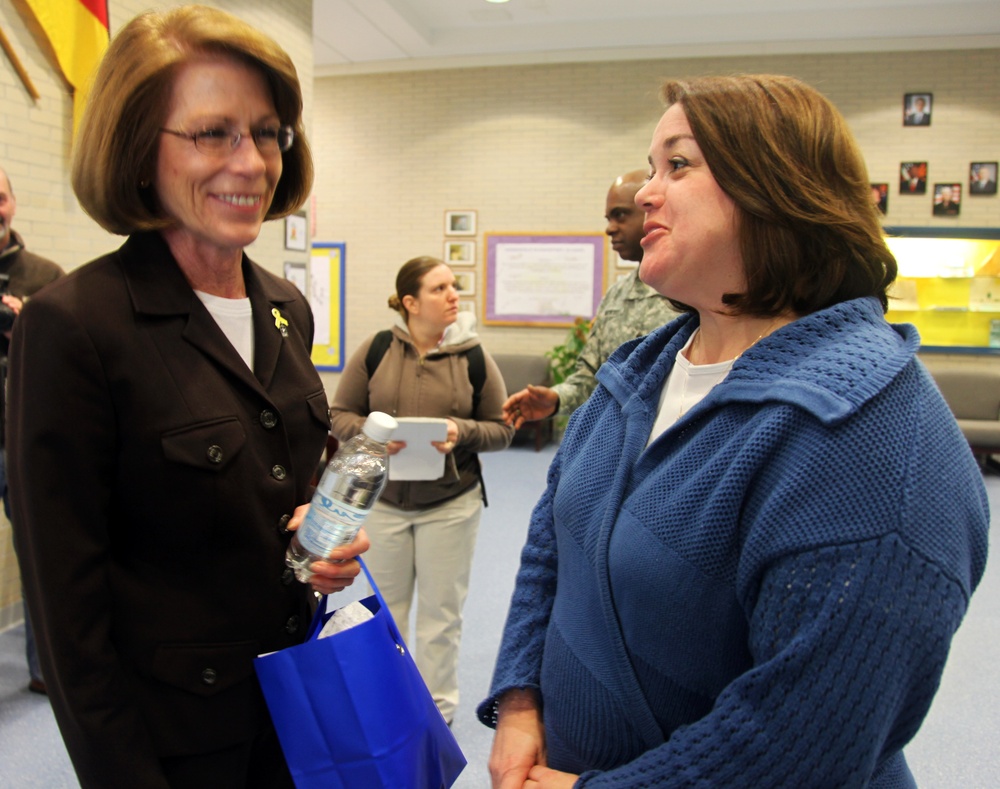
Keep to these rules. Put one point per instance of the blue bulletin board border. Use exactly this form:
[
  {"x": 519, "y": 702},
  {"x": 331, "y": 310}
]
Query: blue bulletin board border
[{"x": 328, "y": 293}]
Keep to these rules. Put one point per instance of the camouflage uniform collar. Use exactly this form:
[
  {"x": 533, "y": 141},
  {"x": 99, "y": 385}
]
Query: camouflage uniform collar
[{"x": 637, "y": 289}]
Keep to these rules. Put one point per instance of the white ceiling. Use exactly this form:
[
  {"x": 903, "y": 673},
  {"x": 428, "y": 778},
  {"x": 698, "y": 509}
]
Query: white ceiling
[{"x": 378, "y": 35}]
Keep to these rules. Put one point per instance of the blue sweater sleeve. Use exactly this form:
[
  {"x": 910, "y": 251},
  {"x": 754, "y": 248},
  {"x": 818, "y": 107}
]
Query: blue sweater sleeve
[
  {"x": 519, "y": 659},
  {"x": 877, "y": 611}
]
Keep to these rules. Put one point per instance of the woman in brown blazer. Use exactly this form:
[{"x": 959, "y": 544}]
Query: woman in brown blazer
[{"x": 166, "y": 418}]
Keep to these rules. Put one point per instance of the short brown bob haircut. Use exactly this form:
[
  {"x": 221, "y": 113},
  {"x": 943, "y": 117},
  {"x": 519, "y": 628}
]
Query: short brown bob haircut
[
  {"x": 809, "y": 233},
  {"x": 118, "y": 140}
]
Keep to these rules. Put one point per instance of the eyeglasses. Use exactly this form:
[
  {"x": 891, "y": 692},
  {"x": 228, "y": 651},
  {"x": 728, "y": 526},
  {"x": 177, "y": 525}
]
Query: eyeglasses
[{"x": 222, "y": 140}]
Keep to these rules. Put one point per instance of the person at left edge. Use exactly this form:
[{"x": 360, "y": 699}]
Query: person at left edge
[
  {"x": 171, "y": 417},
  {"x": 26, "y": 273}
]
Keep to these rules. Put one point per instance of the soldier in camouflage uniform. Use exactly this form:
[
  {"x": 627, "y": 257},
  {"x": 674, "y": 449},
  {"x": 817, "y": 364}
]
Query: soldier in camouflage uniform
[{"x": 628, "y": 310}]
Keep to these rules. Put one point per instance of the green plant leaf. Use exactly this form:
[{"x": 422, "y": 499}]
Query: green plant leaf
[{"x": 563, "y": 357}]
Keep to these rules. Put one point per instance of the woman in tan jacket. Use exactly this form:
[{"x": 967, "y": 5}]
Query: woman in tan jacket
[{"x": 430, "y": 364}]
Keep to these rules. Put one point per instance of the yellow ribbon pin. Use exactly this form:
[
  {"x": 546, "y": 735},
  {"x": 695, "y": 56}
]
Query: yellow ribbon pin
[{"x": 280, "y": 322}]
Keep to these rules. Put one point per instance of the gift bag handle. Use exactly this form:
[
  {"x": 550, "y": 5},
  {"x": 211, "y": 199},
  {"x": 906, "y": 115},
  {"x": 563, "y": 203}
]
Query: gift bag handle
[
  {"x": 322, "y": 614},
  {"x": 396, "y": 635}
]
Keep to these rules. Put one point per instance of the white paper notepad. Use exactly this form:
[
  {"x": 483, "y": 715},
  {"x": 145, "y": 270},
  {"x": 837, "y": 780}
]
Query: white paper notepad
[{"x": 420, "y": 460}]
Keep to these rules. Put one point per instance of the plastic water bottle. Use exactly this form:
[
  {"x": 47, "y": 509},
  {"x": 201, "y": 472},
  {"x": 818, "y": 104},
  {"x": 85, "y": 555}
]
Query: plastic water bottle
[{"x": 351, "y": 484}]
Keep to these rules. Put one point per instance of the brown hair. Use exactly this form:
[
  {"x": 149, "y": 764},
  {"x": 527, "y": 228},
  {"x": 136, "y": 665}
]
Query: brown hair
[
  {"x": 809, "y": 233},
  {"x": 117, "y": 144},
  {"x": 409, "y": 279}
]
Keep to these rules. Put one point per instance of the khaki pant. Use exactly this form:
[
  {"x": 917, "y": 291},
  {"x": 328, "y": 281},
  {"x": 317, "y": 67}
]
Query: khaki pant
[{"x": 432, "y": 550}]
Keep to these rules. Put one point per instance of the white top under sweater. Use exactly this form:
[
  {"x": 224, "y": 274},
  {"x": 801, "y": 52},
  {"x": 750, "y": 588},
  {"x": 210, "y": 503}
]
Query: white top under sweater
[{"x": 686, "y": 385}]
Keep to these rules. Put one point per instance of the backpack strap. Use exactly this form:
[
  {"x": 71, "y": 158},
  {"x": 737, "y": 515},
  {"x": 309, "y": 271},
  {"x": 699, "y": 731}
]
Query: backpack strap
[
  {"x": 380, "y": 344},
  {"x": 477, "y": 377},
  {"x": 477, "y": 364}
]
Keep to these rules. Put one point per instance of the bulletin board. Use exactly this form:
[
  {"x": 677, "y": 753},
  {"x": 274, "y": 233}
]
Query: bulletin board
[
  {"x": 543, "y": 279},
  {"x": 327, "y": 268}
]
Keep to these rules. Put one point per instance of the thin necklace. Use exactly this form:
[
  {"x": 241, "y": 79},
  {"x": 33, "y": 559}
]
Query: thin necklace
[
  {"x": 757, "y": 339},
  {"x": 729, "y": 365}
]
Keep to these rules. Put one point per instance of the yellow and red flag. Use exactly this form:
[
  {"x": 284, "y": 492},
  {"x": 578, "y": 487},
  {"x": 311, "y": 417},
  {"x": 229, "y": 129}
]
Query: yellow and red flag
[{"x": 78, "y": 33}]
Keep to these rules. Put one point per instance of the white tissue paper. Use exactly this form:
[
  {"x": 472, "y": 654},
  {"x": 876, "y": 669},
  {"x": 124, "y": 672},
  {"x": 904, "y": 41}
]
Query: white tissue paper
[{"x": 350, "y": 615}]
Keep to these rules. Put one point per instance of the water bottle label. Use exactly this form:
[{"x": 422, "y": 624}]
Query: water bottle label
[{"x": 328, "y": 524}]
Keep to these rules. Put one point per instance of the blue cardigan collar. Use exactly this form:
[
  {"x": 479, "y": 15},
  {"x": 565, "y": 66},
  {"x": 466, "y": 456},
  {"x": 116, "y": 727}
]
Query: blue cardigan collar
[{"x": 829, "y": 362}]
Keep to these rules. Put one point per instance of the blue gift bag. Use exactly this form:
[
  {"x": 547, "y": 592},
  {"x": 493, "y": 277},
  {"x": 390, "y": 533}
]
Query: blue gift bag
[{"x": 352, "y": 711}]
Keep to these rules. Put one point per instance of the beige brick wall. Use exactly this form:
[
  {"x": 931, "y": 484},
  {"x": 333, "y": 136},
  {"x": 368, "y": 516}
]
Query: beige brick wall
[
  {"x": 534, "y": 148},
  {"x": 35, "y": 149}
]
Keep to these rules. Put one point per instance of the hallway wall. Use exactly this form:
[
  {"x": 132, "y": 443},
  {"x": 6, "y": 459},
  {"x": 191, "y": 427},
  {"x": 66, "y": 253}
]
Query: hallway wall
[{"x": 534, "y": 148}]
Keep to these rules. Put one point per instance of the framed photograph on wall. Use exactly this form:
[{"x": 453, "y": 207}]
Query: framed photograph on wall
[
  {"x": 460, "y": 223},
  {"x": 465, "y": 281},
  {"x": 913, "y": 178},
  {"x": 295, "y": 232},
  {"x": 297, "y": 274},
  {"x": 947, "y": 199},
  {"x": 880, "y": 196},
  {"x": 917, "y": 109},
  {"x": 467, "y": 305},
  {"x": 983, "y": 178},
  {"x": 460, "y": 253}
]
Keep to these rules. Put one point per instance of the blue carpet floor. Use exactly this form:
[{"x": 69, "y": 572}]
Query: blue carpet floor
[{"x": 955, "y": 749}]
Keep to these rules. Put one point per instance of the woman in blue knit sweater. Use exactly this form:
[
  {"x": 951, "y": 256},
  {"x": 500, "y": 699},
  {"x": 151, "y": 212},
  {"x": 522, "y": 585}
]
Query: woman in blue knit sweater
[{"x": 762, "y": 530}]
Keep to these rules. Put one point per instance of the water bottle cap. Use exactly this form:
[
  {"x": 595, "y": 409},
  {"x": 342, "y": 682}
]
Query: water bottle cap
[{"x": 379, "y": 426}]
